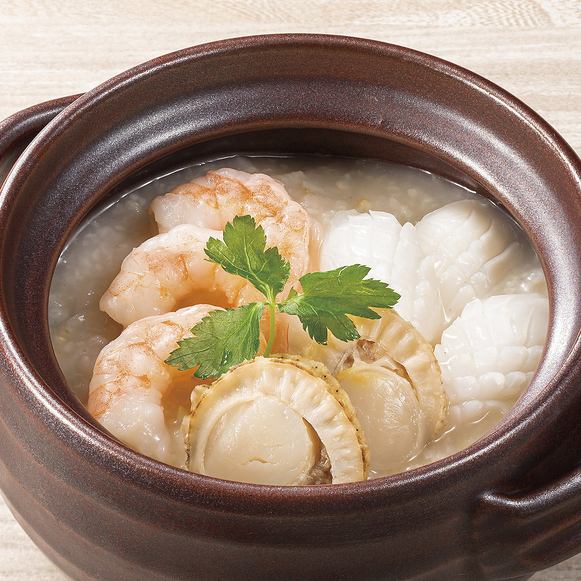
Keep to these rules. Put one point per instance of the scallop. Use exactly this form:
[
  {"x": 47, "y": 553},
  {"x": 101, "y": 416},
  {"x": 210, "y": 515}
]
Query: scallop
[
  {"x": 393, "y": 253},
  {"x": 391, "y": 342},
  {"x": 475, "y": 249},
  {"x": 407, "y": 411},
  {"x": 279, "y": 421},
  {"x": 489, "y": 354},
  {"x": 389, "y": 413}
]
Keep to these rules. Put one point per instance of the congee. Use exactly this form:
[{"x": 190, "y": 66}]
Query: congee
[{"x": 296, "y": 321}]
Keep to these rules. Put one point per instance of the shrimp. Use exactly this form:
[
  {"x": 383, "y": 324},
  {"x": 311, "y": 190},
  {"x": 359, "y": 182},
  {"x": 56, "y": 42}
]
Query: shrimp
[
  {"x": 168, "y": 271},
  {"x": 139, "y": 398},
  {"x": 213, "y": 200},
  {"x": 171, "y": 270}
]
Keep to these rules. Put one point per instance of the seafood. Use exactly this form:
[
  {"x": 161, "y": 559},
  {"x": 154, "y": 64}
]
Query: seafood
[
  {"x": 171, "y": 270},
  {"x": 391, "y": 343},
  {"x": 213, "y": 200},
  {"x": 379, "y": 241},
  {"x": 280, "y": 420},
  {"x": 389, "y": 413},
  {"x": 475, "y": 248},
  {"x": 490, "y": 353},
  {"x": 135, "y": 395},
  {"x": 395, "y": 410},
  {"x": 168, "y": 271}
]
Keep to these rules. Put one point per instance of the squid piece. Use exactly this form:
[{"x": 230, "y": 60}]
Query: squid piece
[
  {"x": 475, "y": 249},
  {"x": 489, "y": 355},
  {"x": 393, "y": 253}
]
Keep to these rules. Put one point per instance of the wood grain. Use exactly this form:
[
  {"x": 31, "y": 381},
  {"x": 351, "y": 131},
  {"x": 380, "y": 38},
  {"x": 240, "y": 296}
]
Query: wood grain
[{"x": 50, "y": 48}]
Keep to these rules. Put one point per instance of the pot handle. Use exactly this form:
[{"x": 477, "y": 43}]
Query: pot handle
[
  {"x": 520, "y": 533},
  {"x": 18, "y": 130}
]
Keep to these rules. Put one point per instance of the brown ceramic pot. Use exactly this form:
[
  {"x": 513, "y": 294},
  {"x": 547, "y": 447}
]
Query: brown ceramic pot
[{"x": 505, "y": 507}]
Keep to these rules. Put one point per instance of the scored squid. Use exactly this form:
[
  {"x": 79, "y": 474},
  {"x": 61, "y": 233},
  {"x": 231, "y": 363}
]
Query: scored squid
[
  {"x": 393, "y": 253},
  {"x": 490, "y": 353},
  {"x": 476, "y": 249},
  {"x": 278, "y": 420}
]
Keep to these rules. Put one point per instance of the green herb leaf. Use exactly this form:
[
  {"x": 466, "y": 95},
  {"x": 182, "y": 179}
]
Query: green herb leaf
[
  {"x": 220, "y": 340},
  {"x": 226, "y": 338},
  {"x": 328, "y": 297},
  {"x": 243, "y": 252}
]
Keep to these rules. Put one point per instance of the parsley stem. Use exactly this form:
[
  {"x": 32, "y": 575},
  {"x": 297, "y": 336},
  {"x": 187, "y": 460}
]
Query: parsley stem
[{"x": 272, "y": 329}]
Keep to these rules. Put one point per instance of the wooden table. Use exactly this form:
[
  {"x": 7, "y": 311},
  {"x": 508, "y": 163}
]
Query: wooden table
[{"x": 50, "y": 48}]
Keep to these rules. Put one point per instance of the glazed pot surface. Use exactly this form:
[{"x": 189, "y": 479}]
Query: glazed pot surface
[{"x": 103, "y": 511}]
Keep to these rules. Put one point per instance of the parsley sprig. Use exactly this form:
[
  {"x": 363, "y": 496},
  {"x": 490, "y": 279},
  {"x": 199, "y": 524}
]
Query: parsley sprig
[{"x": 225, "y": 338}]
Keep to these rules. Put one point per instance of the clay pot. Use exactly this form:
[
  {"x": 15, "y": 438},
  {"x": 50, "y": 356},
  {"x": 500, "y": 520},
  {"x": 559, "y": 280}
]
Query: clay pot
[{"x": 508, "y": 505}]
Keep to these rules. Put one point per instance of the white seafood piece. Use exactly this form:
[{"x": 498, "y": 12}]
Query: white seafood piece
[
  {"x": 166, "y": 272},
  {"x": 393, "y": 253},
  {"x": 475, "y": 248},
  {"x": 282, "y": 421},
  {"x": 389, "y": 342},
  {"x": 134, "y": 394},
  {"x": 389, "y": 413},
  {"x": 489, "y": 354},
  {"x": 213, "y": 200}
]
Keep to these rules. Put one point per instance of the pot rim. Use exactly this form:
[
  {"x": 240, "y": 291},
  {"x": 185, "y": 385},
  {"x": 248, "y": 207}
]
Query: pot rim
[{"x": 169, "y": 479}]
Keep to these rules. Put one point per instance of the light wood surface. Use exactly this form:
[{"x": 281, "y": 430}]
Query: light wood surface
[{"x": 51, "y": 48}]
